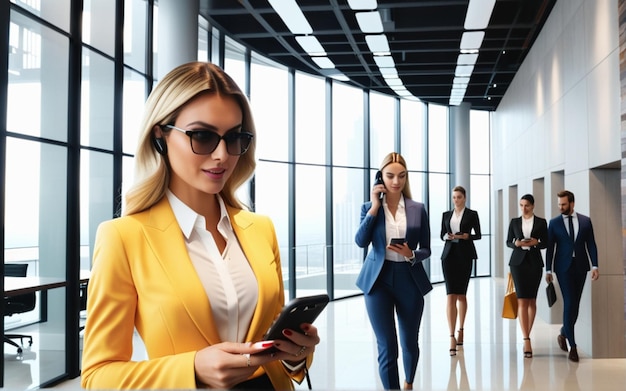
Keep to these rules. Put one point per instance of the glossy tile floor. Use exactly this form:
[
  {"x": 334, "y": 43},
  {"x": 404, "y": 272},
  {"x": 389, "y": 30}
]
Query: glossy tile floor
[{"x": 491, "y": 357}]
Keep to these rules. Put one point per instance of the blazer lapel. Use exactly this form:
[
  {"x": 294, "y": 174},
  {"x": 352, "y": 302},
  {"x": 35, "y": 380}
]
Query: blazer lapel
[
  {"x": 411, "y": 210},
  {"x": 519, "y": 229},
  {"x": 257, "y": 248},
  {"x": 167, "y": 241}
]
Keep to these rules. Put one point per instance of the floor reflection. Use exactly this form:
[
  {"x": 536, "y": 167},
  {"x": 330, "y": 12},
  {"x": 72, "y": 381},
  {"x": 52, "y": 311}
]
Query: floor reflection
[{"x": 491, "y": 357}]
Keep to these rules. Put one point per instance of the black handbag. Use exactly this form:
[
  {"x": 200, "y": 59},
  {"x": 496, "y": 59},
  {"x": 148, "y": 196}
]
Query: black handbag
[{"x": 551, "y": 294}]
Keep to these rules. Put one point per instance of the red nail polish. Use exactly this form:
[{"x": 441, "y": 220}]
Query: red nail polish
[
  {"x": 287, "y": 332},
  {"x": 267, "y": 344}
]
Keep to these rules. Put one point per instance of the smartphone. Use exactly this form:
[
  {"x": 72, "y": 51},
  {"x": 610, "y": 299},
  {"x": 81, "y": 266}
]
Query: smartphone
[
  {"x": 379, "y": 181},
  {"x": 397, "y": 241},
  {"x": 297, "y": 311}
]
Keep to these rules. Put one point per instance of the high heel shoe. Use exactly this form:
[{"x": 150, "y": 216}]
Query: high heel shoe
[
  {"x": 459, "y": 340},
  {"x": 528, "y": 353},
  {"x": 453, "y": 346}
]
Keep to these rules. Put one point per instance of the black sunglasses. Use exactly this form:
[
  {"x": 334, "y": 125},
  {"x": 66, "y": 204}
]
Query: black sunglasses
[{"x": 204, "y": 142}]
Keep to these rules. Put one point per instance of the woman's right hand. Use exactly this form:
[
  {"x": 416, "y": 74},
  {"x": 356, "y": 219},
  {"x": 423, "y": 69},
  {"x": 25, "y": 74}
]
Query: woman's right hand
[
  {"x": 375, "y": 198},
  {"x": 227, "y": 364}
]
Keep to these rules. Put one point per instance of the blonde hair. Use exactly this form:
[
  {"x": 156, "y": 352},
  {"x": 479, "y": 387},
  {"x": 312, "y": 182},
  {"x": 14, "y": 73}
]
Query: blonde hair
[
  {"x": 395, "y": 157},
  {"x": 163, "y": 106}
]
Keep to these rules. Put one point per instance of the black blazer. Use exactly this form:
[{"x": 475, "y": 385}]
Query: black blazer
[
  {"x": 469, "y": 222},
  {"x": 539, "y": 232}
]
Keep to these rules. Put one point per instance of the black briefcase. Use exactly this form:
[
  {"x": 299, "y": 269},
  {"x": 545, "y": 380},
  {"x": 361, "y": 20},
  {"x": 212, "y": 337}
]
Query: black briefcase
[{"x": 551, "y": 294}]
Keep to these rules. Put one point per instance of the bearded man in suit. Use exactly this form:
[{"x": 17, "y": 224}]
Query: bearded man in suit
[{"x": 571, "y": 245}]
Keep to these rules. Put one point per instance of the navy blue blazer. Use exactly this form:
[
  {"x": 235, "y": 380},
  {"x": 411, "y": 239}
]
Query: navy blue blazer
[
  {"x": 469, "y": 223},
  {"x": 539, "y": 232},
  {"x": 372, "y": 230},
  {"x": 561, "y": 247}
]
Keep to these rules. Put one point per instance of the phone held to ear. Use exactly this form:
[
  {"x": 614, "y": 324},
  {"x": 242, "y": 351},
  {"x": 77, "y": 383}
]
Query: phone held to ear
[{"x": 379, "y": 181}]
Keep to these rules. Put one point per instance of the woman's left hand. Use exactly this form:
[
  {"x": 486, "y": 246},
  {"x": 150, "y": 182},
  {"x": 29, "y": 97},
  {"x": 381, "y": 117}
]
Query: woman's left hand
[
  {"x": 402, "y": 249},
  {"x": 297, "y": 345}
]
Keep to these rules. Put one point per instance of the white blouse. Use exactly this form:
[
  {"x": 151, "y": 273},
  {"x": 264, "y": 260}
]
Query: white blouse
[
  {"x": 227, "y": 278},
  {"x": 527, "y": 229},
  {"x": 395, "y": 227}
]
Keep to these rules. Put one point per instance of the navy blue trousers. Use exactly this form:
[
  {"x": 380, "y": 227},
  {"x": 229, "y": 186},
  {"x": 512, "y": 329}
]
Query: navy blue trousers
[
  {"x": 572, "y": 283},
  {"x": 395, "y": 291}
]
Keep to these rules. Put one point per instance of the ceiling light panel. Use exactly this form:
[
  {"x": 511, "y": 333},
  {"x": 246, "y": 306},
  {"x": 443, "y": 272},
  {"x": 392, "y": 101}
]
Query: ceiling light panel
[
  {"x": 339, "y": 76},
  {"x": 359, "y": 5},
  {"x": 377, "y": 43},
  {"x": 384, "y": 61},
  {"x": 323, "y": 62},
  {"x": 472, "y": 40},
  {"x": 369, "y": 22},
  {"x": 464, "y": 70},
  {"x": 311, "y": 45},
  {"x": 467, "y": 59},
  {"x": 393, "y": 82},
  {"x": 478, "y": 14},
  {"x": 388, "y": 72},
  {"x": 292, "y": 16}
]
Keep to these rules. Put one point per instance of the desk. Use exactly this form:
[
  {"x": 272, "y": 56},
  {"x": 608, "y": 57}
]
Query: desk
[{"x": 14, "y": 286}]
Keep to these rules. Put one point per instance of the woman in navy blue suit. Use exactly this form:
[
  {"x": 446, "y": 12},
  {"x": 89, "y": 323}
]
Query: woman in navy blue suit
[
  {"x": 528, "y": 234},
  {"x": 393, "y": 278},
  {"x": 459, "y": 228}
]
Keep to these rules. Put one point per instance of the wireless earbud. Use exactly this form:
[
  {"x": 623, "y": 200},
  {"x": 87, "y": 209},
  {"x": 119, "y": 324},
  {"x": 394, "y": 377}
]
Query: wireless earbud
[{"x": 160, "y": 145}]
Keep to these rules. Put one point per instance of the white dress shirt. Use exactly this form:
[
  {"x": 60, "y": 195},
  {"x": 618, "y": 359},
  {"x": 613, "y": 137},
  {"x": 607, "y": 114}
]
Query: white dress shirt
[
  {"x": 227, "y": 278},
  {"x": 527, "y": 229},
  {"x": 395, "y": 227}
]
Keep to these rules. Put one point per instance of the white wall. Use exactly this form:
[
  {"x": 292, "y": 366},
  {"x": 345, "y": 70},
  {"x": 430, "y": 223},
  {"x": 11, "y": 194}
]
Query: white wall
[{"x": 562, "y": 113}]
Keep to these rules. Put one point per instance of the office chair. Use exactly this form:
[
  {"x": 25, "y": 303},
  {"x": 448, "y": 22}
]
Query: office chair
[
  {"x": 18, "y": 304},
  {"x": 82, "y": 303}
]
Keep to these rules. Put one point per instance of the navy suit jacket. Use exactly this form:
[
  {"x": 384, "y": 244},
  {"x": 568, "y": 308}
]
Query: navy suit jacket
[
  {"x": 560, "y": 246},
  {"x": 539, "y": 232},
  {"x": 372, "y": 230},
  {"x": 469, "y": 222}
]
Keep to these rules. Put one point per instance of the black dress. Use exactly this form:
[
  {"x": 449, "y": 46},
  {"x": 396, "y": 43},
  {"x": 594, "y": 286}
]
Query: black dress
[
  {"x": 457, "y": 269},
  {"x": 457, "y": 258},
  {"x": 527, "y": 264}
]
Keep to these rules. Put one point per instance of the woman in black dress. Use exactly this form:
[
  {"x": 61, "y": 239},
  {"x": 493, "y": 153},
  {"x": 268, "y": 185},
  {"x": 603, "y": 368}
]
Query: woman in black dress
[
  {"x": 459, "y": 228},
  {"x": 528, "y": 234}
]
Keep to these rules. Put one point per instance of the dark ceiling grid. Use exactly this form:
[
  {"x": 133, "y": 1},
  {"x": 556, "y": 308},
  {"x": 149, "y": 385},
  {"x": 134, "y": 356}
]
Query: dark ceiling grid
[{"x": 424, "y": 38}]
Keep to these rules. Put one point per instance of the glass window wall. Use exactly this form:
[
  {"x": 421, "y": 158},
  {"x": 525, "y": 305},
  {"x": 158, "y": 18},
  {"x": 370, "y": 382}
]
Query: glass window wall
[
  {"x": 135, "y": 25},
  {"x": 97, "y": 92},
  {"x": 99, "y": 26},
  {"x": 382, "y": 135},
  {"x": 347, "y": 183},
  {"x": 234, "y": 62},
  {"x": 134, "y": 99},
  {"x": 297, "y": 168}
]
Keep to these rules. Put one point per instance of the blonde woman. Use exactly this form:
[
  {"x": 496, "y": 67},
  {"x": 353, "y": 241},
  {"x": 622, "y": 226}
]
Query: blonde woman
[
  {"x": 393, "y": 278},
  {"x": 190, "y": 269}
]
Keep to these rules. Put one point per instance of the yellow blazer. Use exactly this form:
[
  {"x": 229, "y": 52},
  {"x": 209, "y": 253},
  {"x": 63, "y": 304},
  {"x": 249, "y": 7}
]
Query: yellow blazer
[{"x": 142, "y": 278}]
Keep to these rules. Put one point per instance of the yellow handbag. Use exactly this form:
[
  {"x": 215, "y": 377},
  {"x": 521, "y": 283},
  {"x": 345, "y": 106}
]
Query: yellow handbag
[{"x": 509, "y": 307}]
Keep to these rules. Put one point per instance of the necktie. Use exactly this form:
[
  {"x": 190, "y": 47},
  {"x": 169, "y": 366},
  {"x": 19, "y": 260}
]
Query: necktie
[{"x": 571, "y": 227}]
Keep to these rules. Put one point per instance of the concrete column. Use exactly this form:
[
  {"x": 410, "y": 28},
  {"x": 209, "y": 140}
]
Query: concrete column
[
  {"x": 177, "y": 34},
  {"x": 460, "y": 148}
]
